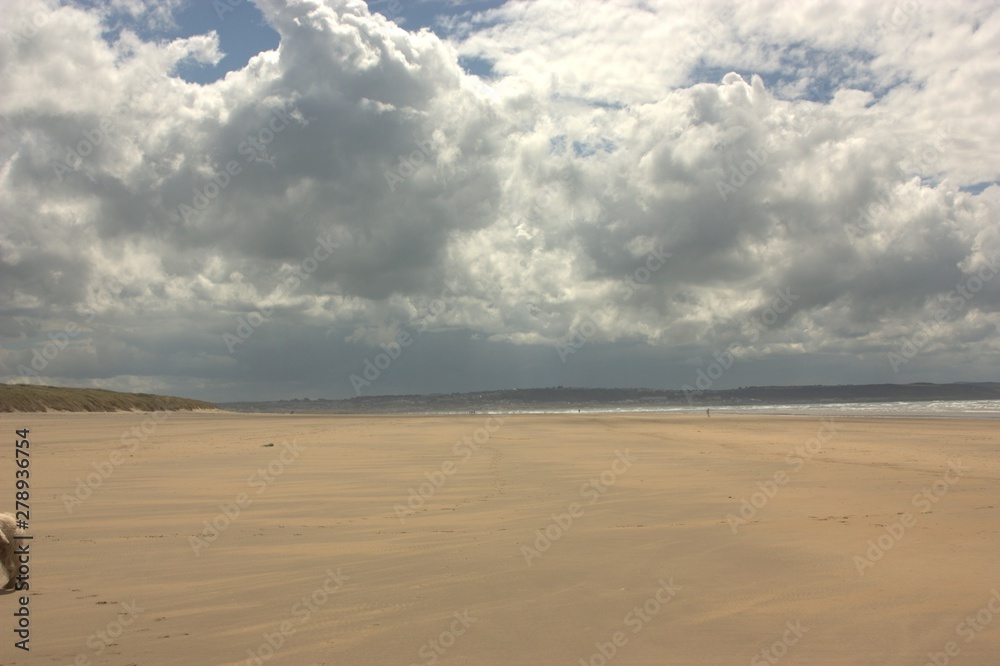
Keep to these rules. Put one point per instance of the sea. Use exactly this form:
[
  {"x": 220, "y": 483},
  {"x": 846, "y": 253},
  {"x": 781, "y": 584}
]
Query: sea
[{"x": 980, "y": 409}]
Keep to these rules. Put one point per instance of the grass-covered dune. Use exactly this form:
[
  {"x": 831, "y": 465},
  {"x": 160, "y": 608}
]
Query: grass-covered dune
[{"x": 30, "y": 398}]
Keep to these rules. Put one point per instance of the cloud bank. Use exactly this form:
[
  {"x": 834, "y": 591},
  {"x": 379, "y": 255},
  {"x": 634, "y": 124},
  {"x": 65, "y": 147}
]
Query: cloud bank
[{"x": 634, "y": 189}]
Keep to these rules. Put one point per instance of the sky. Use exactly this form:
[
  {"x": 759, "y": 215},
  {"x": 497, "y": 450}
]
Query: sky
[{"x": 238, "y": 200}]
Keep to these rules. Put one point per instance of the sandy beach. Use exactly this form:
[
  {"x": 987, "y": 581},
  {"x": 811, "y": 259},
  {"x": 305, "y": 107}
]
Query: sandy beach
[{"x": 508, "y": 539}]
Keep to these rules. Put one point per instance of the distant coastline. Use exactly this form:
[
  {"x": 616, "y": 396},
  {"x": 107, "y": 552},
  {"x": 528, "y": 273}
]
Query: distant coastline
[
  {"x": 596, "y": 399},
  {"x": 923, "y": 399}
]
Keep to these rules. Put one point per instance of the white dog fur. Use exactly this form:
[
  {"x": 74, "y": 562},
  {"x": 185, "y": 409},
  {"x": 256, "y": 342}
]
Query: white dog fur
[{"x": 8, "y": 543}]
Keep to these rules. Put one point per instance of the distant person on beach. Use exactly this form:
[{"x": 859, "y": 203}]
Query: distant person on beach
[{"x": 708, "y": 412}]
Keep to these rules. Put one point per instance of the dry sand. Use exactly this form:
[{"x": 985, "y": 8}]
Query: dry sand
[{"x": 654, "y": 527}]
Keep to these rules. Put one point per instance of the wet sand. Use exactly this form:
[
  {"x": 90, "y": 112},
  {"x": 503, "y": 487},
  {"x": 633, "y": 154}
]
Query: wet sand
[{"x": 518, "y": 539}]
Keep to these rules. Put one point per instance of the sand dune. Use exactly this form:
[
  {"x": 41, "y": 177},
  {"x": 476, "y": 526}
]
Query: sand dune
[{"x": 536, "y": 539}]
